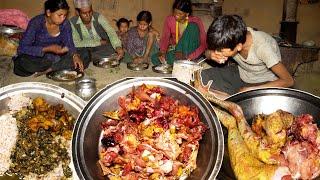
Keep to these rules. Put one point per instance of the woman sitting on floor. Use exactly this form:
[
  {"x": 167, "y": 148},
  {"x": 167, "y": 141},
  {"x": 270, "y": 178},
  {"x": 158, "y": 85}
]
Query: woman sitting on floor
[
  {"x": 47, "y": 43},
  {"x": 183, "y": 36},
  {"x": 141, "y": 42}
]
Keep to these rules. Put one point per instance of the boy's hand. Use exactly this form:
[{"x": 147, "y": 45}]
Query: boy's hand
[{"x": 216, "y": 56}]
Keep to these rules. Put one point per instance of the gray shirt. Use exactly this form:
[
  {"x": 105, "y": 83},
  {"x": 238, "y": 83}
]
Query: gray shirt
[{"x": 263, "y": 54}]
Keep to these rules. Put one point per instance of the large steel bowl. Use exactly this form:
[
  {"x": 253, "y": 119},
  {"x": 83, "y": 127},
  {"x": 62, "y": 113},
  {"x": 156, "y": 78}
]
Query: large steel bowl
[
  {"x": 87, "y": 130},
  {"x": 51, "y": 93},
  {"x": 267, "y": 101}
]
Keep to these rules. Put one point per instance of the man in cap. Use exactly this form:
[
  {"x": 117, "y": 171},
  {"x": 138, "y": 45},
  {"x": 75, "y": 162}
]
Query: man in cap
[{"x": 92, "y": 33}]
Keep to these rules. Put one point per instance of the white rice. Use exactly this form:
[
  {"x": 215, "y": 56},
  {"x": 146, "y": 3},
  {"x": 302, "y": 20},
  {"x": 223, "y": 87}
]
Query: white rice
[
  {"x": 8, "y": 134},
  {"x": 17, "y": 102}
]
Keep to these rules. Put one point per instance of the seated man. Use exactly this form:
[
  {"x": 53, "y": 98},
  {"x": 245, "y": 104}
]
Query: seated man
[
  {"x": 256, "y": 53},
  {"x": 92, "y": 32}
]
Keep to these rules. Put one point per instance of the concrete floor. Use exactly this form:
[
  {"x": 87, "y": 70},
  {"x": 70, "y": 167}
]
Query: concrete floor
[
  {"x": 103, "y": 76},
  {"x": 307, "y": 77}
]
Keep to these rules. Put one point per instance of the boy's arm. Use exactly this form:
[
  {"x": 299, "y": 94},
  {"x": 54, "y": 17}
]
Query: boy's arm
[{"x": 284, "y": 79}]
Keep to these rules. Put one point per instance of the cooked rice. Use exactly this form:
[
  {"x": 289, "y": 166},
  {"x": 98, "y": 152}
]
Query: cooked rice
[
  {"x": 8, "y": 134},
  {"x": 17, "y": 102}
]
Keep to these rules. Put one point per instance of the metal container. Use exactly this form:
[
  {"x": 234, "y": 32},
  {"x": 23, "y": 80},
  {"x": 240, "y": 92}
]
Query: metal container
[
  {"x": 87, "y": 129},
  {"x": 10, "y": 30},
  {"x": 268, "y": 101},
  {"x": 138, "y": 66},
  {"x": 163, "y": 69},
  {"x": 183, "y": 70},
  {"x": 51, "y": 93},
  {"x": 86, "y": 88},
  {"x": 65, "y": 75},
  {"x": 107, "y": 62}
]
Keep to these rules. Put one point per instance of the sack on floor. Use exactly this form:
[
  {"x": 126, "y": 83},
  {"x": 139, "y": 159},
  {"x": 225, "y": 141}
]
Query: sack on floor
[{"x": 7, "y": 47}]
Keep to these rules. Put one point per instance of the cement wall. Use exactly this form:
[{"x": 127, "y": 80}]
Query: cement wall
[
  {"x": 262, "y": 14},
  {"x": 267, "y": 14}
]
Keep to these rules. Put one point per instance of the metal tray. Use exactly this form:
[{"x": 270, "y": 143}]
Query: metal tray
[
  {"x": 138, "y": 67},
  {"x": 65, "y": 75},
  {"x": 107, "y": 62},
  {"x": 163, "y": 69}
]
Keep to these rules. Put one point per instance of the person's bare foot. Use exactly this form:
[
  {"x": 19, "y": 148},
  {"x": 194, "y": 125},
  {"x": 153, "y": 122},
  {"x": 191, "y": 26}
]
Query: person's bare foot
[{"x": 37, "y": 74}]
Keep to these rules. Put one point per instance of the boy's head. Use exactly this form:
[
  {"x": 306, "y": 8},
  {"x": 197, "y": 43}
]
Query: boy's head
[
  {"x": 123, "y": 24},
  {"x": 227, "y": 34}
]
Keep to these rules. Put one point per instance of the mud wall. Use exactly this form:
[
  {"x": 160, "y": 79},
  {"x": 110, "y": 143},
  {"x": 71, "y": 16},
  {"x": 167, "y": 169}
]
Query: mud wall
[{"x": 262, "y": 14}]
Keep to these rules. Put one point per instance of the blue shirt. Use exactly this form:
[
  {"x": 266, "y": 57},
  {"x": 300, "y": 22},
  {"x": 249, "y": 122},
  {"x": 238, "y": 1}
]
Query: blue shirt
[{"x": 36, "y": 37}]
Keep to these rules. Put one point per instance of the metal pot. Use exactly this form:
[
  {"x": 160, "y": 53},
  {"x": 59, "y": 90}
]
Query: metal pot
[
  {"x": 51, "y": 93},
  {"x": 183, "y": 70},
  {"x": 86, "y": 88},
  {"x": 267, "y": 101},
  {"x": 87, "y": 129}
]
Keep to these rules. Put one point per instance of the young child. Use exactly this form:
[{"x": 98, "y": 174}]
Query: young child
[
  {"x": 142, "y": 39},
  {"x": 123, "y": 25}
]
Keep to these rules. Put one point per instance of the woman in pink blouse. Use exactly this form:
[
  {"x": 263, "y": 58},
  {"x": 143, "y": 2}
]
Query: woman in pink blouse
[{"x": 183, "y": 35}]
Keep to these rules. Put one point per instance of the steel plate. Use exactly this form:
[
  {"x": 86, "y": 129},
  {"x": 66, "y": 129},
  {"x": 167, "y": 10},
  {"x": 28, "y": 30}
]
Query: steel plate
[
  {"x": 137, "y": 67},
  {"x": 65, "y": 75},
  {"x": 107, "y": 62},
  {"x": 163, "y": 69}
]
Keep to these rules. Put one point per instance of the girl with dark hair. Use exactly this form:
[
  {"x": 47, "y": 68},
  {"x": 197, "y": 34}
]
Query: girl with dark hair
[
  {"x": 123, "y": 25},
  {"x": 142, "y": 39},
  {"x": 183, "y": 36},
  {"x": 47, "y": 43}
]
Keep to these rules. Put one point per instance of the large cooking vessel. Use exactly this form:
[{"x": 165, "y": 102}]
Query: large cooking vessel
[
  {"x": 267, "y": 101},
  {"x": 87, "y": 130},
  {"x": 51, "y": 93}
]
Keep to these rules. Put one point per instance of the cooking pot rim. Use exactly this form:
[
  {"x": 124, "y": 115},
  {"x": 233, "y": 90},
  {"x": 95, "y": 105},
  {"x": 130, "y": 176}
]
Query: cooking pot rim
[
  {"x": 269, "y": 90},
  {"x": 77, "y": 151}
]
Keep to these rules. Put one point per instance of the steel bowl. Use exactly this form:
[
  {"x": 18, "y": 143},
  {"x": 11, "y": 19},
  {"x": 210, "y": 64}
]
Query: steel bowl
[
  {"x": 51, "y": 93},
  {"x": 107, "y": 62},
  {"x": 267, "y": 101},
  {"x": 87, "y": 130}
]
